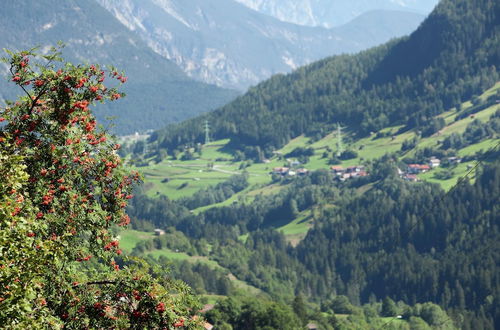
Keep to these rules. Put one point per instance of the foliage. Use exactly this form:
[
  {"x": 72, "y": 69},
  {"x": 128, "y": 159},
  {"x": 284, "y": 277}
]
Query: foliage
[
  {"x": 254, "y": 314},
  {"x": 397, "y": 239},
  {"x": 240, "y": 312},
  {"x": 348, "y": 154},
  {"x": 300, "y": 151},
  {"x": 475, "y": 132},
  {"x": 388, "y": 307},
  {"x": 62, "y": 189},
  {"x": 217, "y": 194}
]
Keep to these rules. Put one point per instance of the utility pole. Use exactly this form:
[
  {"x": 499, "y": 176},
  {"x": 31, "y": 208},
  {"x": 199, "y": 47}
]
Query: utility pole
[
  {"x": 207, "y": 132},
  {"x": 340, "y": 149}
]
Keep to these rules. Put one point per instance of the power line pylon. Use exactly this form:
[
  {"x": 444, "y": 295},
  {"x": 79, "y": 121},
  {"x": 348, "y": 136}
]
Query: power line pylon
[
  {"x": 340, "y": 148},
  {"x": 207, "y": 132}
]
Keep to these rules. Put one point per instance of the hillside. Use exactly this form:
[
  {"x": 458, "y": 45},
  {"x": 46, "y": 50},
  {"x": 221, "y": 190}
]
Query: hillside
[
  {"x": 392, "y": 207},
  {"x": 225, "y": 43},
  {"x": 408, "y": 145},
  {"x": 205, "y": 203},
  {"x": 159, "y": 92},
  {"x": 405, "y": 82},
  {"x": 191, "y": 184},
  {"x": 332, "y": 13},
  {"x": 359, "y": 192}
]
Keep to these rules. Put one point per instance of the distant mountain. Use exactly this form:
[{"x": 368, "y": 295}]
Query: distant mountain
[
  {"x": 453, "y": 55},
  {"x": 228, "y": 44},
  {"x": 158, "y": 91},
  {"x": 328, "y": 13}
]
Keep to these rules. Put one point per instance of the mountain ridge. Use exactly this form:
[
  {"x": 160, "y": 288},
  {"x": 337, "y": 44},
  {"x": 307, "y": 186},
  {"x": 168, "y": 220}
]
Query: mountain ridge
[
  {"x": 230, "y": 45},
  {"x": 358, "y": 91},
  {"x": 332, "y": 13},
  {"x": 159, "y": 92}
]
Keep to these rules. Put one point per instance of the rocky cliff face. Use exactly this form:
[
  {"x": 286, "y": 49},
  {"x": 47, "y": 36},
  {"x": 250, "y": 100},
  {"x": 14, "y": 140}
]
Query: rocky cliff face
[
  {"x": 228, "y": 44},
  {"x": 329, "y": 13}
]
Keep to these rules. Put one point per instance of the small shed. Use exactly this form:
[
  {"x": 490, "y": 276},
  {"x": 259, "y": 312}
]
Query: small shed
[{"x": 159, "y": 232}]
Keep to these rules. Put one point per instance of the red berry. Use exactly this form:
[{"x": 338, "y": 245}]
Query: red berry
[
  {"x": 160, "y": 307},
  {"x": 179, "y": 323}
]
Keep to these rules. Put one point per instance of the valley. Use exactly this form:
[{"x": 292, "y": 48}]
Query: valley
[
  {"x": 325, "y": 185},
  {"x": 215, "y": 162}
]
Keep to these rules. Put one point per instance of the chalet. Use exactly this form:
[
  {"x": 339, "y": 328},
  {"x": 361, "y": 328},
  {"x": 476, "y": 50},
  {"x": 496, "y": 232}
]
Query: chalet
[
  {"x": 362, "y": 173},
  {"x": 281, "y": 170},
  {"x": 348, "y": 173},
  {"x": 302, "y": 171},
  {"x": 159, "y": 232},
  {"x": 356, "y": 174},
  {"x": 411, "y": 178},
  {"x": 337, "y": 170},
  {"x": 434, "y": 162},
  {"x": 344, "y": 176},
  {"x": 418, "y": 168},
  {"x": 355, "y": 169},
  {"x": 292, "y": 173}
]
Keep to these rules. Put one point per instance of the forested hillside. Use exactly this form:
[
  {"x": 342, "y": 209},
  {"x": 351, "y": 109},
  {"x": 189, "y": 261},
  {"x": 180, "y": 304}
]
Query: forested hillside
[
  {"x": 450, "y": 58},
  {"x": 411, "y": 242},
  {"x": 359, "y": 192},
  {"x": 159, "y": 92},
  {"x": 296, "y": 223}
]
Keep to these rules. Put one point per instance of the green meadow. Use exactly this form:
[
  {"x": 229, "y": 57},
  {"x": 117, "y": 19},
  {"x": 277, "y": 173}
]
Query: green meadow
[{"x": 175, "y": 178}]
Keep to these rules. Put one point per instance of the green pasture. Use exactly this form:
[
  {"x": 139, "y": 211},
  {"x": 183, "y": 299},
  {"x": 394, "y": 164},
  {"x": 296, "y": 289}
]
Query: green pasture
[
  {"x": 300, "y": 141},
  {"x": 459, "y": 171},
  {"x": 458, "y": 127},
  {"x": 215, "y": 150},
  {"x": 300, "y": 225},
  {"x": 211, "y": 298},
  {"x": 490, "y": 91},
  {"x": 176, "y": 178},
  {"x": 484, "y": 145},
  {"x": 129, "y": 238},
  {"x": 297, "y": 229},
  {"x": 169, "y": 254}
]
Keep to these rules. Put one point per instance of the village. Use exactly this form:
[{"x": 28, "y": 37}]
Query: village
[
  {"x": 342, "y": 174},
  {"x": 412, "y": 170},
  {"x": 408, "y": 173}
]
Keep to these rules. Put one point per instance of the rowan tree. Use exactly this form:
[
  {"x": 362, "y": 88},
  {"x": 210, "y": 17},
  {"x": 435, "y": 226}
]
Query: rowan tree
[{"x": 63, "y": 188}]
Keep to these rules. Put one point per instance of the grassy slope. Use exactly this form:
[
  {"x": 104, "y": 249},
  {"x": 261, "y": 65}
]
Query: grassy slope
[
  {"x": 198, "y": 175},
  {"x": 129, "y": 239},
  {"x": 297, "y": 229}
]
